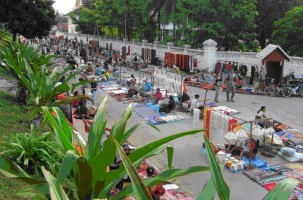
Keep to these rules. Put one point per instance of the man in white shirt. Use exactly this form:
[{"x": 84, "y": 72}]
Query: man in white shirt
[{"x": 195, "y": 103}]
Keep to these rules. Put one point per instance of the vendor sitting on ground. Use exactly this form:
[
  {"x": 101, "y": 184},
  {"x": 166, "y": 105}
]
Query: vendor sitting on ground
[
  {"x": 158, "y": 95},
  {"x": 195, "y": 104},
  {"x": 239, "y": 150},
  {"x": 261, "y": 115},
  {"x": 90, "y": 69},
  {"x": 133, "y": 89},
  {"x": 82, "y": 111},
  {"x": 142, "y": 90},
  {"x": 167, "y": 107}
]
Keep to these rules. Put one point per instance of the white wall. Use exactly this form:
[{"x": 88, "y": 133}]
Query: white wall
[{"x": 206, "y": 58}]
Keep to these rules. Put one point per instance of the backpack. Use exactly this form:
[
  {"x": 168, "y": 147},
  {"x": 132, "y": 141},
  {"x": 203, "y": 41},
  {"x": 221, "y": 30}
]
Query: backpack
[{"x": 135, "y": 59}]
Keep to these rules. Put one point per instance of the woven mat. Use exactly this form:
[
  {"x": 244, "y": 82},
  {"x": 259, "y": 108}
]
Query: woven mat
[{"x": 156, "y": 118}]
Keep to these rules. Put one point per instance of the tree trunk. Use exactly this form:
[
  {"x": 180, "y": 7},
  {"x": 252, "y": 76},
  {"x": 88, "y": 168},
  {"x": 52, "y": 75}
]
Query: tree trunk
[
  {"x": 174, "y": 29},
  {"x": 262, "y": 40},
  {"x": 159, "y": 26},
  {"x": 14, "y": 36}
]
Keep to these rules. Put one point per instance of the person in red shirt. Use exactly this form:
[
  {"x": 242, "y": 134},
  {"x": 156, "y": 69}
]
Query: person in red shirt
[{"x": 158, "y": 95}]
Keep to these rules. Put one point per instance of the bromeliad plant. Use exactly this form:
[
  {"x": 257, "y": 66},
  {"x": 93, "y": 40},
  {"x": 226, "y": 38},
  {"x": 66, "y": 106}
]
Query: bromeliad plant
[
  {"x": 34, "y": 75},
  {"x": 31, "y": 151},
  {"x": 89, "y": 172}
]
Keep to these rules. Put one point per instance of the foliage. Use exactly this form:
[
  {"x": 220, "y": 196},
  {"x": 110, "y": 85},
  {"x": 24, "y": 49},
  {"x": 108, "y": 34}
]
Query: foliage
[
  {"x": 31, "y": 151},
  {"x": 288, "y": 31},
  {"x": 28, "y": 18},
  {"x": 84, "y": 20},
  {"x": 224, "y": 20},
  {"x": 217, "y": 180},
  {"x": 89, "y": 172},
  {"x": 283, "y": 189},
  {"x": 33, "y": 72},
  {"x": 269, "y": 12},
  {"x": 13, "y": 117},
  {"x": 5, "y": 38}
]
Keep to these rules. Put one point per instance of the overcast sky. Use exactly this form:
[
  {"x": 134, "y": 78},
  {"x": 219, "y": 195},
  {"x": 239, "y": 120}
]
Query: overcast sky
[{"x": 64, "y": 6}]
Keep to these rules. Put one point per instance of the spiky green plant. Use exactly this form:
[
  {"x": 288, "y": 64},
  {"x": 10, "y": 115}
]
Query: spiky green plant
[{"x": 31, "y": 151}]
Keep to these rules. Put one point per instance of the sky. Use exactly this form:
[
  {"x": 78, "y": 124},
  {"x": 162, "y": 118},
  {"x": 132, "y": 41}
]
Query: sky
[{"x": 64, "y": 6}]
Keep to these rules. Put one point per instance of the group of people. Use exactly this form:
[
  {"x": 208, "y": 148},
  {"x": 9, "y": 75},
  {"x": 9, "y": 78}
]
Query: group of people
[{"x": 231, "y": 81}]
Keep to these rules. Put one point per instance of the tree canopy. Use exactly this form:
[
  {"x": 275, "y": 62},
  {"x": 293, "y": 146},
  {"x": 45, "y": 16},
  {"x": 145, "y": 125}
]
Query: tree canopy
[
  {"x": 30, "y": 18},
  {"x": 288, "y": 31},
  {"x": 234, "y": 24}
]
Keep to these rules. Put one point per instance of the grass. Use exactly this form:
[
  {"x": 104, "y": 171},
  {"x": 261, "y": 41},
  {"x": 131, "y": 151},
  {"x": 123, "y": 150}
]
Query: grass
[
  {"x": 5, "y": 75},
  {"x": 14, "y": 119}
]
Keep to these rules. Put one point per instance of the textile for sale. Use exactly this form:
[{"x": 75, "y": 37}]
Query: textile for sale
[
  {"x": 184, "y": 62},
  {"x": 148, "y": 55}
]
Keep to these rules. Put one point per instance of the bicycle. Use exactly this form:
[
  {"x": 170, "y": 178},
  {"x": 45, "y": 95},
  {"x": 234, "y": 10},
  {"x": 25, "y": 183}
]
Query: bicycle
[{"x": 277, "y": 90}]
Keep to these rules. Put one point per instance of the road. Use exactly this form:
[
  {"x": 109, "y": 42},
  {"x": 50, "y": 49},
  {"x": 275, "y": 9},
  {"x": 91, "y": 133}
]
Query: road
[{"x": 187, "y": 150}]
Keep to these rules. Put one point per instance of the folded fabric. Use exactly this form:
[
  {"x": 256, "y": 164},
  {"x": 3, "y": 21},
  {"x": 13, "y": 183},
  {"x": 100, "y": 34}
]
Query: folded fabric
[
  {"x": 257, "y": 162},
  {"x": 269, "y": 186}
]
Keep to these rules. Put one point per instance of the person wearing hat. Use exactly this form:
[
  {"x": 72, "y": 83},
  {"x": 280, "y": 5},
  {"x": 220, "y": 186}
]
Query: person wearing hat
[{"x": 261, "y": 115}]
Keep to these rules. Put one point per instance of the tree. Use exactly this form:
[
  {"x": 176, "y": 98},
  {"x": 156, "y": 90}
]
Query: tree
[
  {"x": 224, "y": 20},
  {"x": 168, "y": 7},
  {"x": 288, "y": 31},
  {"x": 30, "y": 18},
  {"x": 270, "y": 11},
  {"x": 84, "y": 20}
]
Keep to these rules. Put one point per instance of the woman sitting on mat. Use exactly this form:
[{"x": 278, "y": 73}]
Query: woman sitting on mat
[{"x": 167, "y": 108}]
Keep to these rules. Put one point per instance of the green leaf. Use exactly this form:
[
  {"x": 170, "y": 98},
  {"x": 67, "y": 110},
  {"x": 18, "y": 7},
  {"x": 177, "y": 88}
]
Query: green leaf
[
  {"x": 11, "y": 169},
  {"x": 140, "y": 189},
  {"x": 153, "y": 126},
  {"x": 67, "y": 165},
  {"x": 129, "y": 132},
  {"x": 33, "y": 190},
  {"x": 83, "y": 178},
  {"x": 62, "y": 134},
  {"x": 216, "y": 173},
  {"x": 138, "y": 155},
  {"x": 283, "y": 190},
  {"x": 208, "y": 191},
  {"x": 170, "y": 154},
  {"x": 55, "y": 189}
]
